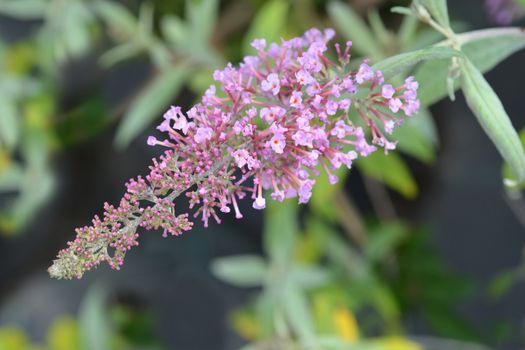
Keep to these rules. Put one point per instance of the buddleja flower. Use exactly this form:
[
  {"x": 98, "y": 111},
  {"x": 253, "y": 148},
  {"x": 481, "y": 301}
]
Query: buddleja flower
[
  {"x": 277, "y": 121},
  {"x": 504, "y": 12}
]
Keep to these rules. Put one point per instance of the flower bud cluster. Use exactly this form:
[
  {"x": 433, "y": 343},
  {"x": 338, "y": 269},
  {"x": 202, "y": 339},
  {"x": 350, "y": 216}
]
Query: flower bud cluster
[{"x": 276, "y": 122}]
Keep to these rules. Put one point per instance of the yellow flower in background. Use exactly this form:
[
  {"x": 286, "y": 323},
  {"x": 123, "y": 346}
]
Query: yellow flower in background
[
  {"x": 397, "y": 343},
  {"x": 13, "y": 338},
  {"x": 346, "y": 325}
]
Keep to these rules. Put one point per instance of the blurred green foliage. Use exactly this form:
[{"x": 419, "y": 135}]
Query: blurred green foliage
[{"x": 97, "y": 327}]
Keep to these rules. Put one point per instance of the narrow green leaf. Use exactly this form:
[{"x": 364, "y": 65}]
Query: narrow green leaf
[
  {"x": 298, "y": 313},
  {"x": 507, "y": 171},
  {"x": 489, "y": 110},
  {"x": 352, "y": 26},
  {"x": 400, "y": 63},
  {"x": 391, "y": 170},
  {"x": 95, "y": 327},
  {"x": 174, "y": 30},
  {"x": 269, "y": 23},
  {"x": 378, "y": 27},
  {"x": 9, "y": 123},
  {"x": 408, "y": 30},
  {"x": 120, "y": 53},
  {"x": 401, "y": 10},
  {"x": 241, "y": 270},
  {"x": 24, "y": 9},
  {"x": 117, "y": 16},
  {"x": 151, "y": 103},
  {"x": 280, "y": 231},
  {"x": 202, "y": 16},
  {"x": 438, "y": 9},
  {"x": 310, "y": 276}
]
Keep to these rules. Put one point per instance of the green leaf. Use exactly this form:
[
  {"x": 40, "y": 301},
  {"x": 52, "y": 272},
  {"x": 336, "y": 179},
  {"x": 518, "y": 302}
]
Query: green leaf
[
  {"x": 323, "y": 194},
  {"x": 391, "y": 170},
  {"x": 352, "y": 27},
  {"x": 280, "y": 231},
  {"x": 241, "y": 270},
  {"x": 95, "y": 327},
  {"x": 175, "y": 30},
  {"x": 24, "y": 9},
  {"x": 484, "y": 48},
  {"x": 117, "y": 16},
  {"x": 378, "y": 27},
  {"x": 384, "y": 239},
  {"x": 417, "y": 137},
  {"x": 408, "y": 30},
  {"x": 202, "y": 16},
  {"x": 507, "y": 171},
  {"x": 401, "y": 10},
  {"x": 120, "y": 53},
  {"x": 438, "y": 10},
  {"x": 151, "y": 103},
  {"x": 269, "y": 23},
  {"x": 298, "y": 313},
  {"x": 432, "y": 77},
  {"x": 9, "y": 123},
  {"x": 400, "y": 63},
  {"x": 310, "y": 276},
  {"x": 489, "y": 110}
]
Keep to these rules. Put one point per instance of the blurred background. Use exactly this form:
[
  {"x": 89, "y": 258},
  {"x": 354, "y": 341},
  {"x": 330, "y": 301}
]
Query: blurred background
[{"x": 420, "y": 250}]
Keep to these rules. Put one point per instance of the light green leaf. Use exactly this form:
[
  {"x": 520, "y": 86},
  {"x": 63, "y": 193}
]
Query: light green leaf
[
  {"x": 378, "y": 27},
  {"x": 24, "y": 9},
  {"x": 310, "y": 276},
  {"x": 400, "y": 63},
  {"x": 95, "y": 327},
  {"x": 438, "y": 10},
  {"x": 485, "y": 49},
  {"x": 352, "y": 26},
  {"x": 298, "y": 314},
  {"x": 174, "y": 30},
  {"x": 9, "y": 123},
  {"x": 241, "y": 270},
  {"x": 120, "y": 53},
  {"x": 151, "y": 103},
  {"x": 391, "y": 170},
  {"x": 280, "y": 231},
  {"x": 117, "y": 16},
  {"x": 507, "y": 171},
  {"x": 202, "y": 16},
  {"x": 402, "y": 10},
  {"x": 432, "y": 77},
  {"x": 416, "y": 138},
  {"x": 269, "y": 23},
  {"x": 489, "y": 110},
  {"x": 408, "y": 30}
]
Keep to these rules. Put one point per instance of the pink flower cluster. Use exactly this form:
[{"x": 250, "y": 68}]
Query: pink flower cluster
[{"x": 277, "y": 121}]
